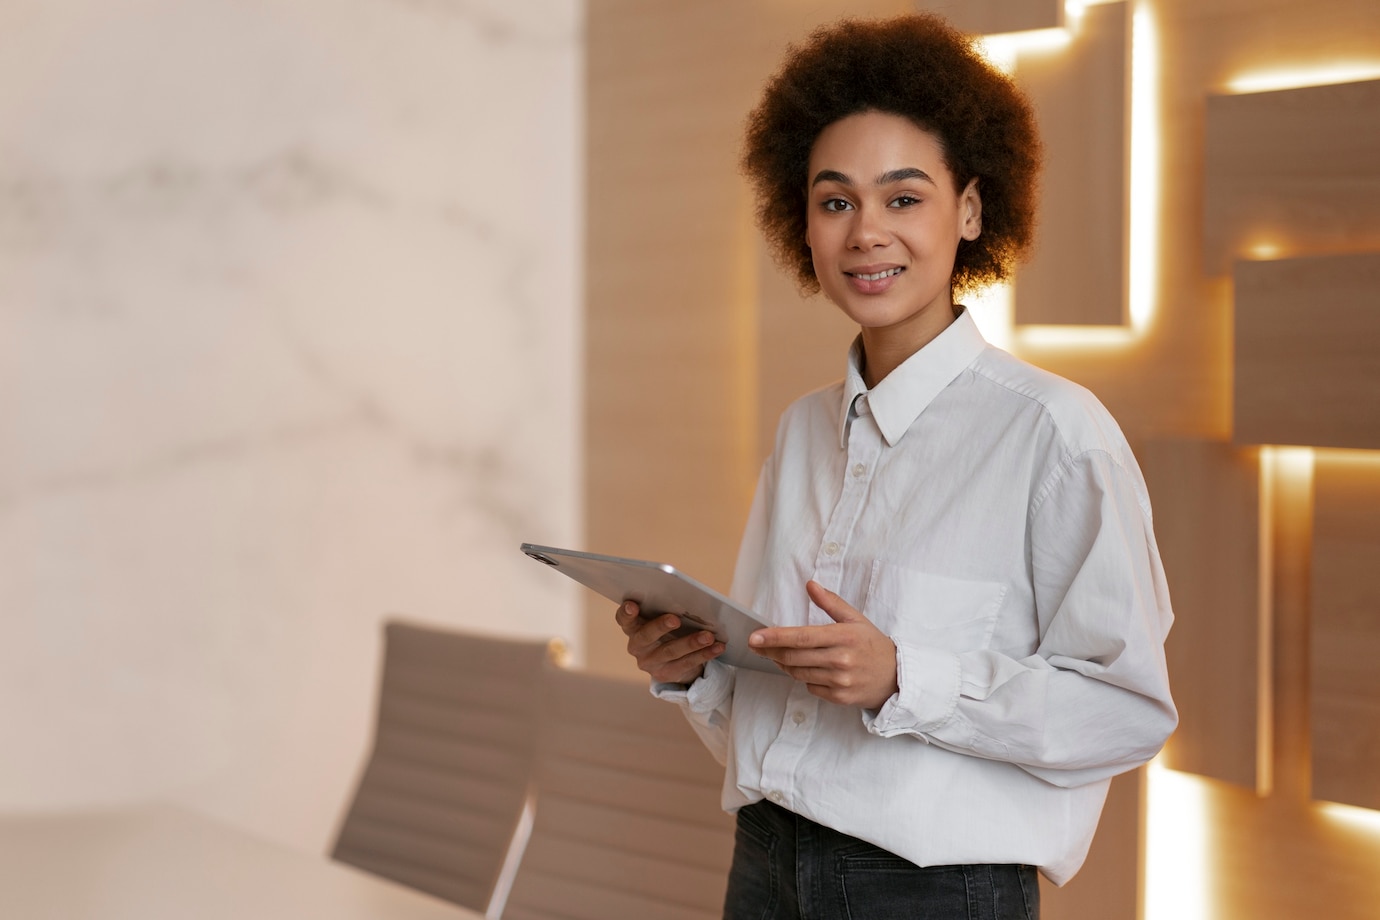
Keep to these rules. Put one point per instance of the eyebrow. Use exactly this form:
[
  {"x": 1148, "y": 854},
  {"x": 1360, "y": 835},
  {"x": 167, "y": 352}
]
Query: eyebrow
[{"x": 886, "y": 178}]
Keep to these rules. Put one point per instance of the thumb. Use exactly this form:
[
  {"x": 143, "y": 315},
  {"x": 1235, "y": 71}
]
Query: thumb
[{"x": 837, "y": 608}]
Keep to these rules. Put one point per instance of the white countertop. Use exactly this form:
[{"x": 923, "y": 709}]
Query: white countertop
[{"x": 160, "y": 863}]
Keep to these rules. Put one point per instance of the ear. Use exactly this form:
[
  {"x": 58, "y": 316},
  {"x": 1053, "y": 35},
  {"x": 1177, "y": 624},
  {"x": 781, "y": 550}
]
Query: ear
[{"x": 970, "y": 211}]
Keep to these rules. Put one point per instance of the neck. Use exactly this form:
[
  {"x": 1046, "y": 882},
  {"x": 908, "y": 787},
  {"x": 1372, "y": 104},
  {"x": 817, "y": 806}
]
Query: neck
[{"x": 886, "y": 348}]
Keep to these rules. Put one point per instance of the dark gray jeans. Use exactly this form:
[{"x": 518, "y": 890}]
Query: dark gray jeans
[{"x": 786, "y": 867}]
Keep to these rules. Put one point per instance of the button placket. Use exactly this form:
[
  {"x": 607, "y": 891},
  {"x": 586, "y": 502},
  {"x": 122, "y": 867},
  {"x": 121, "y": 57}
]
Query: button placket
[
  {"x": 784, "y": 754},
  {"x": 864, "y": 445}
]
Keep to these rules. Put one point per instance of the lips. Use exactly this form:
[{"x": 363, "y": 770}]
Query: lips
[
  {"x": 873, "y": 279},
  {"x": 875, "y": 276}
]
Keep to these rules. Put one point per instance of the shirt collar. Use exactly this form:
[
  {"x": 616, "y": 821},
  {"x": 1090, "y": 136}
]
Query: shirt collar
[{"x": 899, "y": 399}]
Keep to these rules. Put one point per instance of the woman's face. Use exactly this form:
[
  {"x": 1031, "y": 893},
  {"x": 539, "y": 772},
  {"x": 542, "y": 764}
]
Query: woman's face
[{"x": 883, "y": 225}]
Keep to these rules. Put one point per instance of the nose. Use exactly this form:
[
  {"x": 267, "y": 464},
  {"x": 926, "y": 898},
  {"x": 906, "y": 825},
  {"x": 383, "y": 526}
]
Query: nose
[{"x": 868, "y": 229}]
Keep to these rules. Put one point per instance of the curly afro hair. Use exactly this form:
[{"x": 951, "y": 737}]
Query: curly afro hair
[{"x": 918, "y": 67}]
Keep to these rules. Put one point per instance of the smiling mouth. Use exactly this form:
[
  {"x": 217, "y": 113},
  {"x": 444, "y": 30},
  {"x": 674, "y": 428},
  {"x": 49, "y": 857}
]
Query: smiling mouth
[{"x": 876, "y": 276}]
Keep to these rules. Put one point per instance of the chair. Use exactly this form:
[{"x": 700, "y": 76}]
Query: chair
[
  {"x": 447, "y": 781},
  {"x": 628, "y": 824}
]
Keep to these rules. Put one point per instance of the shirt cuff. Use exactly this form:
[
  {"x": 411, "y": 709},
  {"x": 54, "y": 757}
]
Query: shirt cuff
[
  {"x": 708, "y": 693},
  {"x": 929, "y": 681}
]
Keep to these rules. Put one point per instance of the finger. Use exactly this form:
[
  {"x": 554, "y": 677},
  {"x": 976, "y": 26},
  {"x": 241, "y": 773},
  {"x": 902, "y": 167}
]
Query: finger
[
  {"x": 830, "y": 636},
  {"x": 684, "y": 646},
  {"x": 695, "y": 649},
  {"x": 822, "y": 677},
  {"x": 626, "y": 616},
  {"x": 670, "y": 661},
  {"x": 795, "y": 657},
  {"x": 789, "y": 637},
  {"x": 837, "y": 608},
  {"x": 817, "y": 662},
  {"x": 647, "y": 634}
]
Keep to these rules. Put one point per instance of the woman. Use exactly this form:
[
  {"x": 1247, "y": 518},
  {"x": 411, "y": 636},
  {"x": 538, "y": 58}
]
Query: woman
[{"x": 954, "y": 548}]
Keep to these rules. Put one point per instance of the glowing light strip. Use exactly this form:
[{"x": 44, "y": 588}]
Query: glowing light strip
[
  {"x": 1145, "y": 168},
  {"x": 1176, "y": 846},
  {"x": 1264, "y": 643},
  {"x": 1144, "y": 221},
  {"x": 1003, "y": 48},
  {"x": 1293, "y": 463},
  {"x": 1347, "y": 455},
  {"x": 1053, "y": 337},
  {"x": 1362, "y": 819},
  {"x": 1275, "y": 79},
  {"x": 993, "y": 309}
]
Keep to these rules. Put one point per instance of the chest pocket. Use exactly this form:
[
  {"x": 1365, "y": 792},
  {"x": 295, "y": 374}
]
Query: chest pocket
[{"x": 935, "y": 610}]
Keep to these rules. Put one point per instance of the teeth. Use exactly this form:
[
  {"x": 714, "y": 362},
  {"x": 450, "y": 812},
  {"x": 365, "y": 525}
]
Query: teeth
[{"x": 878, "y": 276}]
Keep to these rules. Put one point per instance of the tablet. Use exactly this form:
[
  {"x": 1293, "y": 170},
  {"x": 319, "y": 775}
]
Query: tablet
[{"x": 659, "y": 588}]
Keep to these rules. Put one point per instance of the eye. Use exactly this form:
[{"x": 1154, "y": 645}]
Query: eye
[
  {"x": 904, "y": 201},
  {"x": 835, "y": 204}
]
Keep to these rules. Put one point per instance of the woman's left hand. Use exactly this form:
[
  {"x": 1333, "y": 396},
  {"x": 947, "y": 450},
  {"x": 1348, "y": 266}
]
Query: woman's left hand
[{"x": 849, "y": 661}]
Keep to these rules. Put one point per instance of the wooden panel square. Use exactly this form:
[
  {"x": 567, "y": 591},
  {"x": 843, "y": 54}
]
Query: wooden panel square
[
  {"x": 1295, "y": 171},
  {"x": 1206, "y": 497},
  {"x": 1308, "y": 352},
  {"x": 988, "y": 17},
  {"x": 1345, "y": 633},
  {"x": 1078, "y": 272}
]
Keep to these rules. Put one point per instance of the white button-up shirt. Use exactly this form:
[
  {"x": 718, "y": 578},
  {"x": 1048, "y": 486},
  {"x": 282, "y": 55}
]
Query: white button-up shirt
[{"x": 991, "y": 519}]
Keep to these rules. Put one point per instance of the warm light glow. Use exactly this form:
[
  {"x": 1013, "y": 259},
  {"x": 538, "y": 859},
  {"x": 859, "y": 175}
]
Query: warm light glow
[
  {"x": 1362, "y": 819},
  {"x": 1053, "y": 337},
  {"x": 1265, "y": 618},
  {"x": 1034, "y": 39},
  {"x": 999, "y": 54},
  {"x": 1143, "y": 230},
  {"x": 1073, "y": 14},
  {"x": 993, "y": 309},
  {"x": 1145, "y": 168},
  {"x": 1003, "y": 49},
  {"x": 1333, "y": 72},
  {"x": 1291, "y": 463},
  {"x": 1176, "y": 846},
  {"x": 1348, "y": 456},
  {"x": 1264, "y": 250}
]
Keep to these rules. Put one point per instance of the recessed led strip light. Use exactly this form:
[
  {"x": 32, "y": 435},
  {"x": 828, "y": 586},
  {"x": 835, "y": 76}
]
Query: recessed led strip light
[
  {"x": 1281, "y": 78},
  {"x": 1143, "y": 270}
]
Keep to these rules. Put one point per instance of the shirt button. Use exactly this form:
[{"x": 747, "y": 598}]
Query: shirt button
[
  {"x": 859, "y": 469},
  {"x": 831, "y": 549},
  {"x": 797, "y": 717},
  {"x": 776, "y": 797}
]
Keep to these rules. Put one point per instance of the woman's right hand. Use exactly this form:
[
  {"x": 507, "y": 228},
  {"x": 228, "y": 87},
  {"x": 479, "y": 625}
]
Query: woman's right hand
[{"x": 679, "y": 660}]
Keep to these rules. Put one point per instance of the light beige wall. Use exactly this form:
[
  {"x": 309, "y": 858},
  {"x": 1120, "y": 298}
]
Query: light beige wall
[{"x": 288, "y": 341}]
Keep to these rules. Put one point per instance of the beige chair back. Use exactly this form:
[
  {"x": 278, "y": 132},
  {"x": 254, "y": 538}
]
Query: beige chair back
[
  {"x": 628, "y": 824},
  {"x": 446, "y": 784}
]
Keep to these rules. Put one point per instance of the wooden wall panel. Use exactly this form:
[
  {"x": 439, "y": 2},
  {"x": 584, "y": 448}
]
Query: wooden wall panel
[
  {"x": 1206, "y": 498},
  {"x": 1109, "y": 886},
  {"x": 804, "y": 346},
  {"x": 1291, "y": 172},
  {"x": 1308, "y": 351},
  {"x": 1078, "y": 273},
  {"x": 658, "y": 203},
  {"x": 669, "y": 427},
  {"x": 985, "y": 17},
  {"x": 1345, "y": 630}
]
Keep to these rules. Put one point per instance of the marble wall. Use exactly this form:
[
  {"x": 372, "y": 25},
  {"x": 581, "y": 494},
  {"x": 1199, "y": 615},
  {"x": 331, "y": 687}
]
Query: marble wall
[{"x": 289, "y": 341}]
